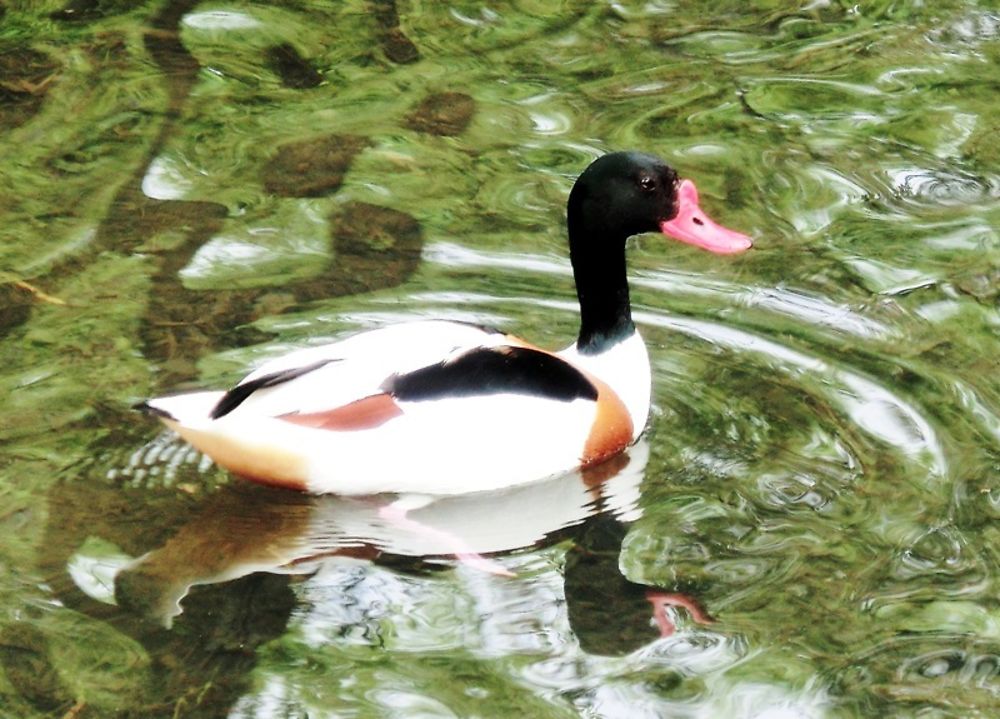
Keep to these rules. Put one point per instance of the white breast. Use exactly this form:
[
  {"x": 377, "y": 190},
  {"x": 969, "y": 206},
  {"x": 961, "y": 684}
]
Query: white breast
[{"x": 625, "y": 368}]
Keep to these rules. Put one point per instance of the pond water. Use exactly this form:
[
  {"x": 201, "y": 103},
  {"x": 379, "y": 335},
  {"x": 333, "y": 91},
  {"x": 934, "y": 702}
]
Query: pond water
[{"x": 809, "y": 526}]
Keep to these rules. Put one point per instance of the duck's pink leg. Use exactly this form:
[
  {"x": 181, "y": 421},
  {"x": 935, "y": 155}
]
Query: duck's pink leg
[
  {"x": 456, "y": 546},
  {"x": 662, "y": 600}
]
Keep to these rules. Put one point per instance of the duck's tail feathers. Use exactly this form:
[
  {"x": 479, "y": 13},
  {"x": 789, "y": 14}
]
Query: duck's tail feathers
[{"x": 191, "y": 409}]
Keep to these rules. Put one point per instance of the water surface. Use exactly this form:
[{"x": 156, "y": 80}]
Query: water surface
[{"x": 809, "y": 527}]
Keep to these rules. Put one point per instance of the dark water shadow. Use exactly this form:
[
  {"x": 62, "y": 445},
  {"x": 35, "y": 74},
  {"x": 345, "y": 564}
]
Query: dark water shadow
[
  {"x": 372, "y": 247},
  {"x": 26, "y": 75},
  {"x": 15, "y": 307},
  {"x": 396, "y": 46},
  {"x": 182, "y": 325},
  {"x": 200, "y": 667}
]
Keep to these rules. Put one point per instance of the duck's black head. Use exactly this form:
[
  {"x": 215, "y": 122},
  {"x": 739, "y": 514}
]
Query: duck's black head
[
  {"x": 623, "y": 194},
  {"x": 619, "y": 195},
  {"x": 628, "y": 193}
]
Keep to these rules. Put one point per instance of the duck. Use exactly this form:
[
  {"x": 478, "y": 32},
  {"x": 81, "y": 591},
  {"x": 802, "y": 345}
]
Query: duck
[{"x": 434, "y": 407}]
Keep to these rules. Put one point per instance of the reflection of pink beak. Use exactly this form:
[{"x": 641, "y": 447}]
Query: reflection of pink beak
[
  {"x": 693, "y": 226},
  {"x": 662, "y": 600}
]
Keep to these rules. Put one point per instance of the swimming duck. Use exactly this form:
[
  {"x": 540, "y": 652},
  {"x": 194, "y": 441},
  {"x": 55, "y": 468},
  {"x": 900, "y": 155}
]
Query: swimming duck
[{"x": 442, "y": 407}]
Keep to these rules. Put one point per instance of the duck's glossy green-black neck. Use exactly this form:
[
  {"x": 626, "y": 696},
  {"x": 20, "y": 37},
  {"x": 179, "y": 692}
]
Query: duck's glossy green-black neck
[
  {"x": 617, "y": 196},
  {"x": 605, "y": 305}
]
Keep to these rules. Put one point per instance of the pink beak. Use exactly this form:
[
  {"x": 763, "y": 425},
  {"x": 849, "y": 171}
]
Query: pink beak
[{"x": 693, "y": 226}]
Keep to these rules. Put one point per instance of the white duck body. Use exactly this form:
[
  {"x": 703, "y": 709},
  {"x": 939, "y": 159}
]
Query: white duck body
[{"x": 443, "y": 443}]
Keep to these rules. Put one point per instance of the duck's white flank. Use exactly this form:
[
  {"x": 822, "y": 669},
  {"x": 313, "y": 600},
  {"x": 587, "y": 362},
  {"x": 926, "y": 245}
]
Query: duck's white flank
[{"x": 454, "y": 444}]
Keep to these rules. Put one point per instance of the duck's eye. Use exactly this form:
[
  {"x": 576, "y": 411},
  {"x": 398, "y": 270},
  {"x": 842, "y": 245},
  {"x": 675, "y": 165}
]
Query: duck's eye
[{"x": 647, "y": 183}]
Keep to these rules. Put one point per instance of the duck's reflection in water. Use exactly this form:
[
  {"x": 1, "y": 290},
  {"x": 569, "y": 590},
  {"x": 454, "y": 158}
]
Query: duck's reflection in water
[
  {"x": 265, "y": 602},
  {"x": 245, "y": 530}
]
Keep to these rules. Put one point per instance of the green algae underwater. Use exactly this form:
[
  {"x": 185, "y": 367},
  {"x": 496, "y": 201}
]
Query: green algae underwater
[{"x": 809, "y": 526}]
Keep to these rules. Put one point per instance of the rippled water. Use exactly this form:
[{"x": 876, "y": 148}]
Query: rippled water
[{"x": 809, "y": 527}]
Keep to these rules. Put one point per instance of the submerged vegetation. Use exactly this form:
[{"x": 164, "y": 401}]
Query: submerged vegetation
[{"x": 809, "y": 526}]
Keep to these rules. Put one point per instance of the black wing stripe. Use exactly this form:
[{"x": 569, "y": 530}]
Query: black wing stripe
[
  {"x": 494, "y": 370},
  {"x": 236, "y": 396}
]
